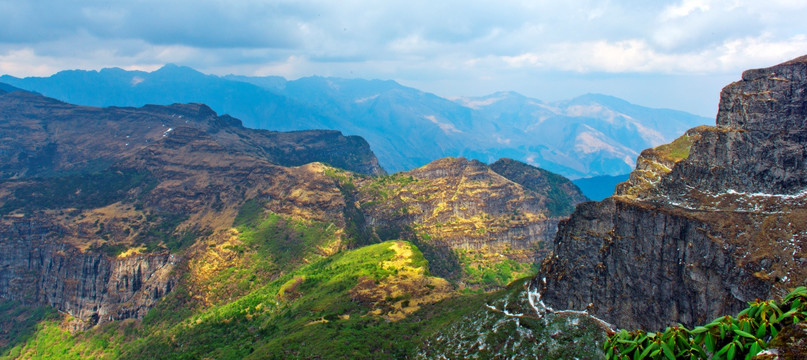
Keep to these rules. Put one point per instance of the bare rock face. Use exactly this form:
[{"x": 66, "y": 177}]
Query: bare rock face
[
  {"x": 704, "y": 224},
  {"x": 93, "y": 287},
  {"x": 98, "y": 204}
]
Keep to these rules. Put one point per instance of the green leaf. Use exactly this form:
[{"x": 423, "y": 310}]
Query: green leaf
[
  {"x": 747, "y": 326},
  {"x": 744, "y": 334},
  {"x": 667, "y": 351},
  {"x": 724, "y": 349},
  {"x": 755, "y": 348},
  {"x": 732, "y": 352},
  {"x": 761, "y": 331},
  {"x": 710, "y": 343},
  {"x": 700, "y": 329},
  {"x": 683, "y": 341},
  {"x": 775, "y": 307},
  {"x": 647, "y": 351},
  {"x": 786, "y": 315}
]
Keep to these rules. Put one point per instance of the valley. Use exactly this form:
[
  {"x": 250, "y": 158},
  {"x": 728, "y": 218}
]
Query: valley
[{"x": 171, "y": 231}]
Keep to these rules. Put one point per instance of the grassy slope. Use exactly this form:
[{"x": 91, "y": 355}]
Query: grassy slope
[{"x": 315, "y": 310}]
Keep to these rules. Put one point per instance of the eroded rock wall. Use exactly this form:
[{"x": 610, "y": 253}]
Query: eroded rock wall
[
  {"x": 718, "y": 223},
  {"x": 93, "y": 287}
]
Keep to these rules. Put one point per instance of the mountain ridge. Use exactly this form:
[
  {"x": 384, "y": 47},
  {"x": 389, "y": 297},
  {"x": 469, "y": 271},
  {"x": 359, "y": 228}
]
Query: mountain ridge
[
  {"x": 406, "y": 127},
  {"x": 143, "y": 194}
]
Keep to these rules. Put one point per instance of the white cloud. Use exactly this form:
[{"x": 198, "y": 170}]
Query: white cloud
[
  {"x": 638, "y": 56},
  {"x": 457, "y": 47},
  {"x": 685, "y": 8}
]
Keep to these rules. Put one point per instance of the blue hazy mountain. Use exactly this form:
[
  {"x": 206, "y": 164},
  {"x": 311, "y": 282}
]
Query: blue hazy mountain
[
  {"x": 599, "y": 187},
  {"x": 587, "y": 136},
  {"x": 6, "y": 88}
]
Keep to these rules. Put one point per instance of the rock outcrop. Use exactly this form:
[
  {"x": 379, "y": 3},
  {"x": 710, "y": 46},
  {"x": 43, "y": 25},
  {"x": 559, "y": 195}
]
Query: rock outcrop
[
  {"x": 704, "y": 224},
  {"x": 40, "y": 269},
  {"x": 40, "y": 136},
  {"x": 98, "y": 204},
  {"x": 489, "y": 213}
]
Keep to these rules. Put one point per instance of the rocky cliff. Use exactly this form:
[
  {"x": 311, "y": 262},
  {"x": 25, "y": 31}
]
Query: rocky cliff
[
  {"x": 98, "y": 205},
  {"x": 103, "y": 211},
  {"x": 40, "y": 269},
  {"x": 704, "y": 224},
  {"x": 469, "y": 217}
]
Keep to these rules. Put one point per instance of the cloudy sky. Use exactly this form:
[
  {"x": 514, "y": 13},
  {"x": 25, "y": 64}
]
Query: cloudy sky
[{"x": 672, "y": 53}]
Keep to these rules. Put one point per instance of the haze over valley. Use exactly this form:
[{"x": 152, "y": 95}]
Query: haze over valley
[{"x": 403, "y": 180}]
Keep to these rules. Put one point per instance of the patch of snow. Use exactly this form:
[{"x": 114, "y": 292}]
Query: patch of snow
[
  {"x": 590, "y": 141},
  {"x": 167, "y": 131},
  {"x": 596, "y": 111},
  {"x": 798, "y": 195},
  {"x": 502, "y": 141},
  {"x": 446, "y": 127},
  {"x": 477, "y": 104},
  {"x": 366, "y": 99},
  {"x": 534, "y": 298}
]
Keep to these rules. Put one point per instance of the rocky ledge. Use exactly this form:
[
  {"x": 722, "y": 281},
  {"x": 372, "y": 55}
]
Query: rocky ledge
[{"x": 704, "y": 224}]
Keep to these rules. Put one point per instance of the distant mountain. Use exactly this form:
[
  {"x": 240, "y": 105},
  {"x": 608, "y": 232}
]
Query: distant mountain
[
  {"x": 587, "y": 136},
  {"x": 475, "y": 223},
  {"x": 599, "y": 187},
  {"x": 6, "y": 88}
]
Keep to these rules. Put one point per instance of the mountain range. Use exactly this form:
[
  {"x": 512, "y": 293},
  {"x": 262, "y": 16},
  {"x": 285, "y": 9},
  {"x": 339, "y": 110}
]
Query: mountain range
[
  {"x": 160, "y": 214},
  {"x": 170, "y": 231},
  {"x": 587, "y": 136}
]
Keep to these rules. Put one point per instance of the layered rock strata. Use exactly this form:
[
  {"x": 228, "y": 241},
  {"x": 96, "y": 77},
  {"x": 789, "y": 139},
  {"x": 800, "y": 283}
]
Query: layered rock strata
[
  {"x": 705, "y": 224},
  {"x": 97, "y": 205}
]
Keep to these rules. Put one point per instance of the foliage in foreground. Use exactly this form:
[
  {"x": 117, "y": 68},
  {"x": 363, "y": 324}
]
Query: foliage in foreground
[{"x": 726, "y": 337}]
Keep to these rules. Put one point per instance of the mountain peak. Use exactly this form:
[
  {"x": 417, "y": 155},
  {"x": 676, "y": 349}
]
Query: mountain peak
[
  {"x": 177, "y": 70},
  {"x": 704, "y": 225},
  {"x": 597, "y": 98},
  {"x": 766, "y": 99}
]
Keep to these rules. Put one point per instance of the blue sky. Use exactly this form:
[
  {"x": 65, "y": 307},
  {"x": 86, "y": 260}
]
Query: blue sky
[{"x": 674, "y": 54}]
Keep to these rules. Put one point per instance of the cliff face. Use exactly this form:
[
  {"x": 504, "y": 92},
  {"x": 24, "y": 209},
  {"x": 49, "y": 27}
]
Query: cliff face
[
  {"x": 704, "y": 224},
  {"x": 97, "y": 205},
  {"x": 454, "y": 205},
  {"x": 43, "y": 136},
  {"x": 40, "y": 269}
]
